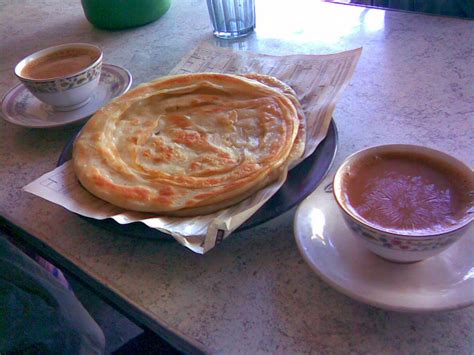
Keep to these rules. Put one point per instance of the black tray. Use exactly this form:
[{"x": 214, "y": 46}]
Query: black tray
[{"x": 302, "y": 180}]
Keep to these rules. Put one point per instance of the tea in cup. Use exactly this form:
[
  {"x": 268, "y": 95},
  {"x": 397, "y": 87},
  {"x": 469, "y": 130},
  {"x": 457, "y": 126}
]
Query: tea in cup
[
  {"x": 405, "y": 202},
  {"x": 63, "y": 76}
]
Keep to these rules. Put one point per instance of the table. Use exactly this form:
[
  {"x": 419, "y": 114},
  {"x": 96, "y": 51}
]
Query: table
[{"x": 253, "y": 293}]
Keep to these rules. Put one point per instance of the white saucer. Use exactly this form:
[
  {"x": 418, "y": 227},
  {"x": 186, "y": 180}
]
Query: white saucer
[
  {"x": 20, "y": 107},
  {"x": 442, "y": 282}
]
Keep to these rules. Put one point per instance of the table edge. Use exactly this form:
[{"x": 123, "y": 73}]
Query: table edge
[{"x": 111, "y": 296}]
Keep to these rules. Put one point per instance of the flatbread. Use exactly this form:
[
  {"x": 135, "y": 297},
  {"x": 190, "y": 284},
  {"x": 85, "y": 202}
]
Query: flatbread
[
  {"x": 300, "y": 140},
  {"x": 187, "y": 144}
]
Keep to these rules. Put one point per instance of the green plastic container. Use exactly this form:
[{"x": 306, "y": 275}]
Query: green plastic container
[{"x": 120, "y": 14}]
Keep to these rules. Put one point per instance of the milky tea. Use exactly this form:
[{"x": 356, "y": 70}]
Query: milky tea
[
  {"x": 408, "y": 193},
  {"x": 61, "y": 63}
]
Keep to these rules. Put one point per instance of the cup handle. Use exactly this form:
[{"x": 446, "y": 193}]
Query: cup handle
[{"x": 328, "y": 188}]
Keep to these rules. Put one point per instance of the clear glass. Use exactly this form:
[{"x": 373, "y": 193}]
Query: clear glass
[{"x": 232, "y": 18}]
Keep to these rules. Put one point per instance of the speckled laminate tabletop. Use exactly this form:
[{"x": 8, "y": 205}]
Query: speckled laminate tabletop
[{"x": 254, "y": 293}]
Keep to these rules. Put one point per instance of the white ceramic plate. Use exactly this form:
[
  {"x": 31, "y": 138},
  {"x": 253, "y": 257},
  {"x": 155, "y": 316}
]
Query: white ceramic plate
[
  {"x": 20, "y": 107},
  {"x": 442, "y": 282}
]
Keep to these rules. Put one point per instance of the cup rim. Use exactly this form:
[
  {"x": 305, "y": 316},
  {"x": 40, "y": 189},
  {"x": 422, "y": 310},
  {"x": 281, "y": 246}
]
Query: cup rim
[
  {"x": 22, "y": 63},
  {"x": 393, "y": 148}
]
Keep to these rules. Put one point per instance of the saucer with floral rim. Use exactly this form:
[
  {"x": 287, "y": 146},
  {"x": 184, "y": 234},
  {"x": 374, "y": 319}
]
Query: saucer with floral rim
[
  {"x": 20, "y": 107},
  {"x": 442, "y": 282}
]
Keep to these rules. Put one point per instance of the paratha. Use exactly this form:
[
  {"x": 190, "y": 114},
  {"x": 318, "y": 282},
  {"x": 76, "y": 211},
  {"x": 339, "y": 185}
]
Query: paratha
[
  {"x": 300, "y": 140},
  {"x": 187, "y": 144}
]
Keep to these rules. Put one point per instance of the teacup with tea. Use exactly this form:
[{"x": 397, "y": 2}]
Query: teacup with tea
[
  {"x": 405, "y": 202},
  {"x": 63, "y": 76}
]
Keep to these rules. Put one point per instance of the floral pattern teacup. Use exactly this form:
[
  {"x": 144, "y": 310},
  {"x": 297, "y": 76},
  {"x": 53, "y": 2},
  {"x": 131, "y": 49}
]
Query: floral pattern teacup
[
  {"x": 396, "y": 245},
  {"x": 64, "y": 93}
]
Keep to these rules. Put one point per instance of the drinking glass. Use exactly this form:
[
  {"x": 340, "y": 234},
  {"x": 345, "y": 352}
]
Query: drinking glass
[{"x": 232, "y": 18}]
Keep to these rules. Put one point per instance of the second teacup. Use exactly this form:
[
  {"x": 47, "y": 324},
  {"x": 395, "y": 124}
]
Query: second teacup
[
  {"x": 63, "y": 76},
  {"x": 405, "y": 202}
]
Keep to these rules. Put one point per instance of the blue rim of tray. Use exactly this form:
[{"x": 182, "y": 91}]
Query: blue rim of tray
[{"x": 301, "y": 181}]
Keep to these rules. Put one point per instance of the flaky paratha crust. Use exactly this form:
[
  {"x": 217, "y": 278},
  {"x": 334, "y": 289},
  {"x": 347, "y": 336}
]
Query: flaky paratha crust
[
  {"x": 187, "y": 144},
  {"x": 300, "y": 140}
]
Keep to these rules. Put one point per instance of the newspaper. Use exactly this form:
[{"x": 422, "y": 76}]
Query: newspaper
[{"x": 318, "y": 80}]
